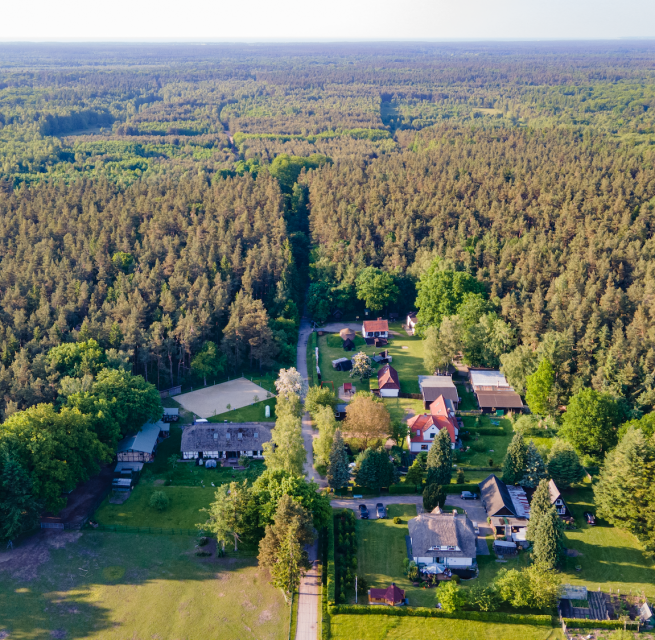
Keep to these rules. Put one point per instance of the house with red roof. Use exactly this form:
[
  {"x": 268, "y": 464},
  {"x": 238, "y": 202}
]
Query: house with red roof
[
  {"x": 388, "y": 382},
  {"x": 375, "y": 329},
  {"x": 424, "y": 427}
]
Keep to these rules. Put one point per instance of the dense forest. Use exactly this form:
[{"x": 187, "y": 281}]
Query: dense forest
[{"x": 168, "y": 211}]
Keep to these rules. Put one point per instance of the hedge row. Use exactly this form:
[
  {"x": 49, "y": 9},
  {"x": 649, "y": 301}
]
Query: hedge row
[
  {"x": 413, "y": 396},
  {"x": 331, "y": 567},
  {"x": 458, "y": 488},
  {"x": 398, "y": 489},
  {"x": 486, "y": 431},
  {"x": 425, "y": 612},
  {"x": 576, "y": 623}
]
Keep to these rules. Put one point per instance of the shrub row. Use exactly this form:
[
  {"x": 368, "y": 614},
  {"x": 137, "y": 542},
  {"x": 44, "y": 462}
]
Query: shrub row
[
  {"x": 413, "y": 396},
  {"x": 425, "y": 612},
  {"x": 486, "y": 431},
  {"x": 345, "y": 552},
  {"x": 397, "y": 489},
  {"x": 576, "y": 623},
  {"x": 331, "y": 569}
]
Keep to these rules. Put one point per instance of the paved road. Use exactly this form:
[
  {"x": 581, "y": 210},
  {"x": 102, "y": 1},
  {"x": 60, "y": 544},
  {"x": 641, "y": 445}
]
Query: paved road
[
  {"x": 309, "y": 600},
  {"x": 476, "y": 513},
  {"x": 308, "y": 433},
  {"x": 371, "y": 502}
]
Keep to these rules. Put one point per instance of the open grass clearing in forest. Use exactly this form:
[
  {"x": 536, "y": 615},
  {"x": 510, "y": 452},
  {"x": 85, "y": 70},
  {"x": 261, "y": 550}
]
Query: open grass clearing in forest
[
  {"x": 408, "y": 362},
  {"x": 113, "y": 586},
  {"x": 252, "y": 413},
  {"x": 219, "y": 398},
  {"x": 372, "y": 627}
]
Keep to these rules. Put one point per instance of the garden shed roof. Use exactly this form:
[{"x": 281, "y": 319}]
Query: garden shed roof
[{"x": 496, "y": 498}]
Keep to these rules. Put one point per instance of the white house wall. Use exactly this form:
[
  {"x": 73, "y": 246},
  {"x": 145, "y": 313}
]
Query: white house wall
[{"x": 389, "y": 393}]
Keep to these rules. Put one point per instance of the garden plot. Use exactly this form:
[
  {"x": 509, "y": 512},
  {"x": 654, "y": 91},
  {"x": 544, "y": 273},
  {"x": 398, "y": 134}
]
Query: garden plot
[{"x": 219, "y": 398}]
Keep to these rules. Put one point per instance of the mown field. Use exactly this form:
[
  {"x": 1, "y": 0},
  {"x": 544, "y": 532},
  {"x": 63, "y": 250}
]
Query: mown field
[{"x": 115, "y": 586}]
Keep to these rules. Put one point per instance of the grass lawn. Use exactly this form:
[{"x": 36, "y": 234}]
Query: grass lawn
[
  {"x": 346, "y": 627},
  {"x": 381, "y": 549},
  {"x": 408, "y": 362},
  {"x": 468, "y": 401},
  {"x": 252, "y": 413},
  {"x": 611, "y": 558},
  {"x": 183, "y": 512},
  {"x": 113, "y": 586}
]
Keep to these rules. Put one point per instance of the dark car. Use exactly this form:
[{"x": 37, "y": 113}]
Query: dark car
[
  {"x": 363, "y": 512},
  {"x": 590, "y": 518},
  {"x": 467, "y": 495},
  {"x": 382, "y": 512}
]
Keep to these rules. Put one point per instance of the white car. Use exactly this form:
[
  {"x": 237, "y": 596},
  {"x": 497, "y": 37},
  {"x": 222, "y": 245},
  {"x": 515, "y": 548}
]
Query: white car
[{"x": 476, "y": 528}]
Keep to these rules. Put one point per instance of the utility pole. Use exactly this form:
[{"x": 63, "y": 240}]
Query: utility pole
[{"x": 355, "y": 589}]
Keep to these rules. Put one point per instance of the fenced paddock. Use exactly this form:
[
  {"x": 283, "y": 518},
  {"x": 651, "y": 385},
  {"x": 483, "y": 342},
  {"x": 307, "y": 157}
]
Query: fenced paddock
[{"x": 211, "y": 401}]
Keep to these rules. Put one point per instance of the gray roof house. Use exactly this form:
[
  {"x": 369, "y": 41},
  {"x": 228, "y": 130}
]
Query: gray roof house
[
  {"x": 141, "y": 447},
  {"x": 231, "y": 440},
  {"x": 443, "y": 538},
  {"x": 434, "y": 386},
  {"x": 496, "y": 498}
]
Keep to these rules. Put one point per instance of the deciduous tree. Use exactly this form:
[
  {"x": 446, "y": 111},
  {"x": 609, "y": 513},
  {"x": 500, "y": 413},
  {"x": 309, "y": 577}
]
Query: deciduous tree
[
  {"x": 367, "y": 419},
  {"x": 564, "y": 465}
]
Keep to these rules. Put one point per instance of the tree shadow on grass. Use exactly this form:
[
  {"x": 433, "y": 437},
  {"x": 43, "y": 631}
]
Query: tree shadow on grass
[{"x": 98, "y": 582}]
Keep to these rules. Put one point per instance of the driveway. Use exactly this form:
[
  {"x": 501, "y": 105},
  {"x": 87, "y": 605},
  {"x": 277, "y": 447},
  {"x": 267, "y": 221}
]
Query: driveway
[
  {"x": 476, "y": 513},
  {"x": 371, "y": 502}
]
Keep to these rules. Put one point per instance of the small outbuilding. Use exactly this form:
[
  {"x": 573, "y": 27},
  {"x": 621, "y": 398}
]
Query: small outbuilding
[
  {"x": 388, "y": 382},
  {"x": 391, "y": 596},
  {"x": 142, "y": 446},
  {"x": 348, "y": 345},
  {"x": 347, "y": 334},
  {"x": 171, "y": 414},
  {"x": 434, "y": 386}
]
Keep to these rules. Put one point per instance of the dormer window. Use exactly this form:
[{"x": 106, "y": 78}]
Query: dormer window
[
  {"x": 239, "y": 436},
  {"x": 227, "y": 435},
  {"x": 418, "y": 432},
  {"x": 255, "y": 435},
  {"x": 215, "y": 436}
]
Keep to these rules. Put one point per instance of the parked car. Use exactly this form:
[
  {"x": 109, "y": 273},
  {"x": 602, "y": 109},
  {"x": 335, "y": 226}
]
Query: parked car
[
  {"x": 590, "y": 518},
  {"x": 363, "y": 512},
  {"x": 467, "y": 495},
  {"x": 382, "y": 512},
  {"x": 476, "y": 528}
]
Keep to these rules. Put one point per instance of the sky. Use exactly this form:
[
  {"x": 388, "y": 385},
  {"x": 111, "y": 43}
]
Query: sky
[{"x": 307, "y": 20}]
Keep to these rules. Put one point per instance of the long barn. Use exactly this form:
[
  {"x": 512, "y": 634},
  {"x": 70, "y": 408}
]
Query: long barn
[{"x": 222, "y": 441}]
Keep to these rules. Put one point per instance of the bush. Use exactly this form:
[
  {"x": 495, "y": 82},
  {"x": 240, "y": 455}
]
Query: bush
[
  {"x": 159, "y": 500},
  {"x": 576, "y": 623},
  {"x": 244, "y": 461},
  {"x": 433, "y": 495},
  {"x": 425, "y": 612},
  {"x": 397, "y": 520},
  {"x": 460, "y": 476},
  {"x": 399, "y": 489},
  {"x": 491, "y": 462}
]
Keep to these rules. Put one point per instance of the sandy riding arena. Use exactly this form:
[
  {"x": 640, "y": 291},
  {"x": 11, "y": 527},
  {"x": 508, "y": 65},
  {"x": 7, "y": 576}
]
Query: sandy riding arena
[{"x": 213, "y": 400}]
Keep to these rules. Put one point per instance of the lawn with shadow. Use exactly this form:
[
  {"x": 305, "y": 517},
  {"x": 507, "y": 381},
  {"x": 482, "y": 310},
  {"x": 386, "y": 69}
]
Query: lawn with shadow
[{"x": 113, "y": 586}]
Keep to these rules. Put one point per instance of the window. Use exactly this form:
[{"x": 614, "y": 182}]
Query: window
[
  {"x": 239, "y": 436},
  {"x": 418, "y": 433},
  {"x": 255, "y": 435},
  {"x": 227, "y": 435},
  {"x": 215, "y": 436},
  {"x": 424, "y": 447},
  {"x": 431, "y": 434}
]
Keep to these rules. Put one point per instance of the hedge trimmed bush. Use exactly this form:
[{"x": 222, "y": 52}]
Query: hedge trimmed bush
[
  {"x": 331, "y": 568},
  {"x": 398, "y": 489},
  {"x": 576, "y": 623},
  {"x": 425, "y": 612},
  {"x": 487, "y": 431}
]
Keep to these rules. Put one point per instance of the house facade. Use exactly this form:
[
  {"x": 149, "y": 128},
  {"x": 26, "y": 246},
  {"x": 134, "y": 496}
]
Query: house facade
[
  {"x": 223, "y": 441},
  {"x": 375, "y": 329},
  {"x": 423, "y": 428},
  {"x": 447, "y": 539},
  {"x": 411, "y": 321},
  {"x": 388, "y": 382}
]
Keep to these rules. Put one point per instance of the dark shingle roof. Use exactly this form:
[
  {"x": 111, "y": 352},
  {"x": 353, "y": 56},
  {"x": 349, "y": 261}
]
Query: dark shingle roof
[
  {"x": 442, "y": 529},
  {"x": 496, "y": 498},
  {"x": 499, "y": 400},
  {"x": 214, "y": 437}
]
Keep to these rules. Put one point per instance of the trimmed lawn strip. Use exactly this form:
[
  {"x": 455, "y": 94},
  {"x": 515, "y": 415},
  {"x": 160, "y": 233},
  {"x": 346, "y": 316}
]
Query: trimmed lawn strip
[
  {"x": 381, "y": 549},
  {"x": 112, "y": 586},
  {"x": 253, "y": 413},
  {"x": 371, "y": 627}
]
